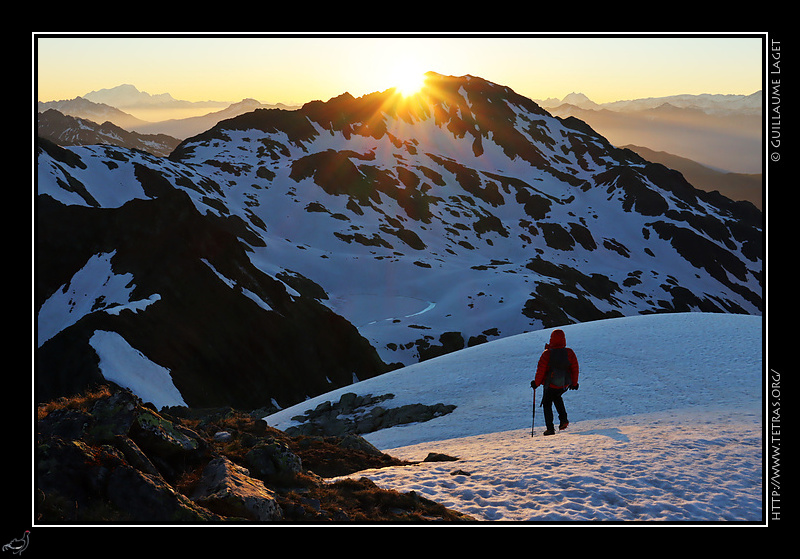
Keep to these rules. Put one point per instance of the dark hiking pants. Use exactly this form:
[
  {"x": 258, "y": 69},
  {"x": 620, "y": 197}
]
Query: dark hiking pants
[{"x": 552, "y": 396}]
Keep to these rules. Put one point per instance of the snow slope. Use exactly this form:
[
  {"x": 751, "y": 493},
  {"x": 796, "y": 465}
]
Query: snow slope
[
  {"x": 463, "y": 215},
  {"x": 666, "y": 425},
  {"x": 504, "y": 231}
]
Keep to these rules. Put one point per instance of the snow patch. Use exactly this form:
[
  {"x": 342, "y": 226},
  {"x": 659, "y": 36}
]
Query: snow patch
[
  {"x": 126, "y": 366},
  {"x": 94, "y": 288}
]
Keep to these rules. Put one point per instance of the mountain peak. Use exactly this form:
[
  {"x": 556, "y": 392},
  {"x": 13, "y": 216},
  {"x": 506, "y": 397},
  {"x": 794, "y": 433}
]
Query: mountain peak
[
  {"x": 575, "y": 97},
  {"x": 127, "y": 95},
  {"x": 125, "y": 88},
  {"x": 580, "y": 100},
  {"x": 428, "y": 223}
]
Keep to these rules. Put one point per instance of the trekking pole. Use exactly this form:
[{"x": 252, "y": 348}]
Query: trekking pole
[{"x": 533, "y": 413}]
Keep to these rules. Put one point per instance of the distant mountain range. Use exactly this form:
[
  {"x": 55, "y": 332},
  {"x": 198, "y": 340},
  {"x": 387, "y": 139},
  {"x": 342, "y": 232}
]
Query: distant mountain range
[
  {"x": 127, "y": 96},
  {"x": 98, "y": 113},
  {"x": 723, "y": 132},
  {"x": 719, "y": 104},
  {"x": 111, "y": 105},
  {"x": 280, "y": 254}
]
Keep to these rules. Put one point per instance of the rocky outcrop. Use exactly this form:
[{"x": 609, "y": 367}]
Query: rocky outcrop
[
  {"x": 361, "y": 414},
  {"x": 108, "y": 457},
  {"x": 116, "y": 455},
  {"x": 229, "y": 489}
]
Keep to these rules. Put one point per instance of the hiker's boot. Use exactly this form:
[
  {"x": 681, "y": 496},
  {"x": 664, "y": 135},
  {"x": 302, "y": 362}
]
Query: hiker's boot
[
  {"x": 563, "y": 425},
  {"x": 550, "y": 431}
]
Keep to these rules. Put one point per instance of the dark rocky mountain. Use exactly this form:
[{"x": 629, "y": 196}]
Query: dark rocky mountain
[
  {"x": 736, "y": 186},
  {"x": 89, "y": 110},
  {"x": 281, "y": 254},
  {"x": 66, "y": 130},
  {"x": 158, "y": 114},
  {"x": 226, "y": 331}
]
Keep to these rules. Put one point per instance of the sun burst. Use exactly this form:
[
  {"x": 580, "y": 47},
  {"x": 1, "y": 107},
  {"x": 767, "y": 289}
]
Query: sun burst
[{"x": 408, "y": 79}]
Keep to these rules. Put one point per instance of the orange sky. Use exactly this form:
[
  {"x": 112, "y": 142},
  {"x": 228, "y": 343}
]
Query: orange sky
[{"x": 275, "y": 69}]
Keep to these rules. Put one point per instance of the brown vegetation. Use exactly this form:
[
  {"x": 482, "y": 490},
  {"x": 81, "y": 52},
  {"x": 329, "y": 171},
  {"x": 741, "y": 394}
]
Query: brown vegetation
[{"x": 76, "y": 468}]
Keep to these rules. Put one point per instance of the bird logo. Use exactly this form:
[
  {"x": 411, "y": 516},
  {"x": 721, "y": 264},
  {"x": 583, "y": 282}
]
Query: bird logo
[{"x": 18, "y": 545}]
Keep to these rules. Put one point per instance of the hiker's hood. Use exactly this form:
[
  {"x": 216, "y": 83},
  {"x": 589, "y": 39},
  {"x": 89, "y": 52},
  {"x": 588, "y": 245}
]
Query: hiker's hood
[{"x": 558, "y": 339}]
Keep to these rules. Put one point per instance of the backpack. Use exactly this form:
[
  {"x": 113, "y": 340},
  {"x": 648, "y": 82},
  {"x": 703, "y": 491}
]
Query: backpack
[{"x": 558, "y": 373}]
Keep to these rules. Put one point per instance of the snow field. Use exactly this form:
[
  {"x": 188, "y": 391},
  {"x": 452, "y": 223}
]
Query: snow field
[
  {"x": 666, "y": 425},
  {"x": 683, "y": 467}
]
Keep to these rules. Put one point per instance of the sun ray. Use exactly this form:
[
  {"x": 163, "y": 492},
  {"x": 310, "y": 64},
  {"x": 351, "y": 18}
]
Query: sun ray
[{"x": 408, "y": 78}]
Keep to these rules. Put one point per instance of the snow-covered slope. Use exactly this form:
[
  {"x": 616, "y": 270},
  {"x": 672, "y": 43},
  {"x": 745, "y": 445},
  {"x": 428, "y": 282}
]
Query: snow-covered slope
[
  {"x": 470, "y": 210},
  {"x": 133, "y": 281},
  {"x": 429, "y": 224},
  {"x": 666, "y": 424}
]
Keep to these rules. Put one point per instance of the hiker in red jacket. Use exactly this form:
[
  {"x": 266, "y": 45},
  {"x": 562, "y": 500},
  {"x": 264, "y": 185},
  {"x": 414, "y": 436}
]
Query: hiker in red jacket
[{"x": 558, "y": 372}]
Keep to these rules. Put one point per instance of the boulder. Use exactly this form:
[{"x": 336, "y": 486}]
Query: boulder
[
  {"x": 356, "y": 442},
  {"x": 228, "y": 489},
  {"x": 113, "y": 416},
  {"x": 73, "y": 477},
  {"x": 164, "y": 437},
  {"x": 169, "y": 445},
  {"x": 439, "y": 457},
  {"x": 65, "y": 424},
  {"x": 134, "y": 455},
  {"x": 150, "y": 499},
  {"x": 273, "y": 461}
]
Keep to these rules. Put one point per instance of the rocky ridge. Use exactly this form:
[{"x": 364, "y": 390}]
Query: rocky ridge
[
  {"x": 66, "y": 130},
  {"x": 361, "y": 414}
]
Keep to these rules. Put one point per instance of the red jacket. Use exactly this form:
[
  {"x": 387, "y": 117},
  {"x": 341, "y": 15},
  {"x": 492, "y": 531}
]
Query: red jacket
[{"x": 557, "y": 339}]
